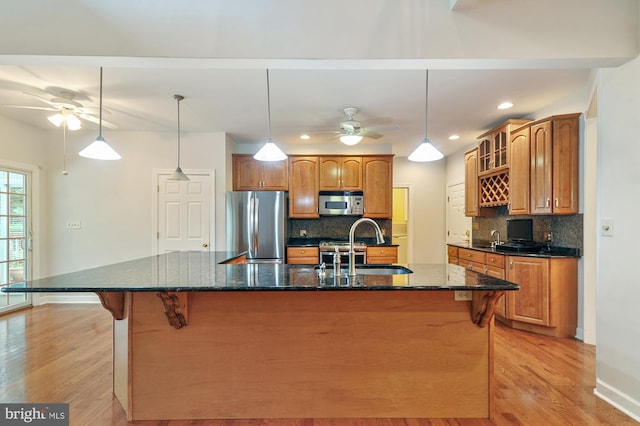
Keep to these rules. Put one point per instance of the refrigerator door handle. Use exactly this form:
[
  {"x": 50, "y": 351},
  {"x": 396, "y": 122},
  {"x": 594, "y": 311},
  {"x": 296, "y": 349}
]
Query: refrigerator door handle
[
  {"x": 256, "y": 224},
  {"x": 251, "y": 228}
]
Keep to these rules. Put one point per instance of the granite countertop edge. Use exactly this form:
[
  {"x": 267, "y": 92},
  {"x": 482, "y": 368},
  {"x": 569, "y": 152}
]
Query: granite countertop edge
[{"x": 545, "y": 252}]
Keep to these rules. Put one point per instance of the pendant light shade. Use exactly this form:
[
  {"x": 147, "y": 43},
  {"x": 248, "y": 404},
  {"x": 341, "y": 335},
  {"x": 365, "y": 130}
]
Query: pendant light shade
[
  {"x": 99, "y": 149},
  {"x": 425, "y": 151},
  {"x": 269, "y": 151},
  {"x": 177, "y": 173}
]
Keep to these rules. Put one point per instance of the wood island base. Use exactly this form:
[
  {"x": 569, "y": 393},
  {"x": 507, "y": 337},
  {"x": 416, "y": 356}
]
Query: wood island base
[{"x": 304, "y": 354}]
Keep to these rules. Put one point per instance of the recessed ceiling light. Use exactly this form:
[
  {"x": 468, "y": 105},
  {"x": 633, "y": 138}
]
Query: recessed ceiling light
[
  {"x": 505, "y": 105},
  {"x": 305, "y": 137},
  {"x": 454, "y": 137}
]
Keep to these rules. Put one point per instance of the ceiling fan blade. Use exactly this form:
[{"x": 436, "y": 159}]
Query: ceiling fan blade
[
  {"x": 30, "y": 107},
  {"x": 367, "y": 133},
  {"x": 91, "y": 110},
  {"x": 42, "y": 98},
  {"x": 382, "y": 127},
  {"x": 322, "y": 131},
  {"x": 96, "y": 120}
]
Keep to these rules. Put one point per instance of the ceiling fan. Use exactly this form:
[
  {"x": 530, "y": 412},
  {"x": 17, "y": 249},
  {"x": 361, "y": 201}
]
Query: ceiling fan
[
  {"x": 67, "y": 110},
  {"x": 351, "y": 132}
]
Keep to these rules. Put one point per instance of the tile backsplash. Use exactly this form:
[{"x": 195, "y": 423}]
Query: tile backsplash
[
  {"x": 335, "y": 227},
  {"x": 566, "y": 230}
]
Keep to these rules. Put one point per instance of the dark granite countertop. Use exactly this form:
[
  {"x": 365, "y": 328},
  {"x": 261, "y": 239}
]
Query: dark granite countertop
[
  {"x": 543, "y": 250},
  {"x": 202, "y": 271}
]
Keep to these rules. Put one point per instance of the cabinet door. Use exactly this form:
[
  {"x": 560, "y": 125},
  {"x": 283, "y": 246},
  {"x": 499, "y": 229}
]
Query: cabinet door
[
  {"x": 565, "y": 166},
  {"x": 530, "y": 304},
  {"x": 484, "y": 157},
  {"x": 329, "y": 173},
  {"x": 275, "y": 175},
  {"x": 303, "y": 187},
  {"x": 499, "y": 149},
  {"x": 471, "y": 183},
  {"x": 247, "y": 173},
  {"x": 519, "y": 192},
  {"x": 541, "y": 162},
  {"x": 378, "y": 186},
  {"x": 351, "y": 173}
]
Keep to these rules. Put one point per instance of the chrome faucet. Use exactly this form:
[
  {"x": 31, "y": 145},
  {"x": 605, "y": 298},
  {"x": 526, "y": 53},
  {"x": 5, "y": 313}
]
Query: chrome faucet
[
  {"x": 352, "y": 252},
  {"x": 497, "y": 242}
]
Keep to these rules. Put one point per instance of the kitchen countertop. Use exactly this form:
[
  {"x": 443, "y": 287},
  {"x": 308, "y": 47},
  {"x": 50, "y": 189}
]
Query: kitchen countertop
[
  {"x": 202, "y": 271},
  {"x": 544, "y": 251}
]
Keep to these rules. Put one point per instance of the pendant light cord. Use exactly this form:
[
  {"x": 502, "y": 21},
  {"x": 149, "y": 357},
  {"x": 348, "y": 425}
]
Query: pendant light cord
[
  {"x": 426, "y": 103},
  {"x": 100, "y": 122},
  {"x": 268, "y": 106},
  {"x": 178, "y": 98}
]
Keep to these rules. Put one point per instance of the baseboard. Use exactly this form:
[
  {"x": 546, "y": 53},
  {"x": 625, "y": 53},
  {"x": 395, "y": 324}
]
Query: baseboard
[
  {"x": 580, "y": 334},
  {"x": 65, "y": 298},
  {"x": 620, "y": 400}
]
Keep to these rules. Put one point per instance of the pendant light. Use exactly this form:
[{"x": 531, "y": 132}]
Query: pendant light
[
  {"x": 269, "y": 151},
  {"x": 99, "y": 149},
  {"x": 425, "y": 151},
  {"x": 178, "y": 174}
]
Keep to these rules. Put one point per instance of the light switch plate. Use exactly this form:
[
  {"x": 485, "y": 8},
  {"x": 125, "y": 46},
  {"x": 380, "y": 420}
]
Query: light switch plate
[{"x": 606, "y": 227}]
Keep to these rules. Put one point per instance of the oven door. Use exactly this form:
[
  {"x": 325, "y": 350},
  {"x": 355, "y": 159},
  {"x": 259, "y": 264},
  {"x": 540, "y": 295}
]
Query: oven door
[{"x": 327, "y": 257}]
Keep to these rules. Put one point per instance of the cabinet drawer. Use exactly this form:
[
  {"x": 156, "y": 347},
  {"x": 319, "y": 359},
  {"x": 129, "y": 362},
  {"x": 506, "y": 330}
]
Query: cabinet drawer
[
  {"x": 302, "y": 255},
  {"x": 454, "y": 260},
  {"x": 496, "y": 260},
  {"x": 494, "y": 272},
  {"x": 382, "y": 252},
  {"x": 474, "y": 266},
  {"x": 452, "y": 251},
  {"x": 472, "y": 255}
]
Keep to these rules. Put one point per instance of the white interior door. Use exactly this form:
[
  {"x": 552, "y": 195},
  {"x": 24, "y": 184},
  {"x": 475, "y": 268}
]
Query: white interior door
[
  {"x": 184, "y": 213},
  {"x": 458, "y": 225}
]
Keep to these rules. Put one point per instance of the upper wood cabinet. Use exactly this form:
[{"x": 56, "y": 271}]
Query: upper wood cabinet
[
  {"x": 303, "y": 187},
  {"x": 471, "y": 183},
  {"x": 471, "y": 188},
  {"x": 338, "y": 173},
  {"x": 493, "y": 148},
  {"x": 377, "y": 185},
  {"x": 250, "y": 174},
  {"x": 554, "y": 165},
  {"x": 519, "y": 188}
]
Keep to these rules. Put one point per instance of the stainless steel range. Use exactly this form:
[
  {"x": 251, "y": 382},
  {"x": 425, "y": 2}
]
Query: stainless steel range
[{"x": 328, "y": 248}]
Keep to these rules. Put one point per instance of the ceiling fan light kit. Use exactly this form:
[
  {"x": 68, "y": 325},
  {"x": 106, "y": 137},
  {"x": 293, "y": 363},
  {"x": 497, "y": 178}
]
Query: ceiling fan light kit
[
  {"x": 177, "y": 173},
  {"x": 350, "y": 139},
  {"x": 99, "y": 149},
  {"x": 269, "y": 151},
  {"x": 72, "y": 122},
  {"x": 425, "y": 151}
]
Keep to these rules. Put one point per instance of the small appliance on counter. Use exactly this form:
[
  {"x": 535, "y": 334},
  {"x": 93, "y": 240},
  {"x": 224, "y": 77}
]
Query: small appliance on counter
[{"x": 256, "y": 222}]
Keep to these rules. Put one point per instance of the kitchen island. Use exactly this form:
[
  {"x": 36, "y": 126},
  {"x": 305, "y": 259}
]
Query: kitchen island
[{"x": 197, "y": 339}]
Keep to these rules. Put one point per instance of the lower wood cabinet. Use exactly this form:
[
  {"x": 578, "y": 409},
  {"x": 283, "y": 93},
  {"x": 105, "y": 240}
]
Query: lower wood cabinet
[
  {"x": 382, "y": 255},
  {"x": 547, "y": 300},
  {"x": 303, "y": 255}
]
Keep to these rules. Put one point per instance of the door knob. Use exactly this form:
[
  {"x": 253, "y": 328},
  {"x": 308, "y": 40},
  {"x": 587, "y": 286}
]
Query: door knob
[{"x": 205, "y": 245}]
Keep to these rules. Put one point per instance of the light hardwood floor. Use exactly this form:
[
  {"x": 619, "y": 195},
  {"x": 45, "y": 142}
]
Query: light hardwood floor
[{"x": 62, "y": 353}]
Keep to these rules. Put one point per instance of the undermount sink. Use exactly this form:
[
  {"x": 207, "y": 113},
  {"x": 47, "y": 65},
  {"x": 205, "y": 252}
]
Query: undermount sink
[{"x": 375, "y": 270}]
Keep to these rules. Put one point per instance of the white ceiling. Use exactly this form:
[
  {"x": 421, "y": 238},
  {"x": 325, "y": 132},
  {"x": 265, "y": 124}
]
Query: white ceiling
[{"x": 229, "y": 95}]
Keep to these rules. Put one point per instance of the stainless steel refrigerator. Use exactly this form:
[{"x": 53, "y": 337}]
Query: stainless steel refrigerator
[{"x": 256, "y": 222}]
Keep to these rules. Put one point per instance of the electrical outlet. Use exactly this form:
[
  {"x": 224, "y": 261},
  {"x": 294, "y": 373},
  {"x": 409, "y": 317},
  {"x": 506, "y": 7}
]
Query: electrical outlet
[
  {"x": 462, "y": 295},
  {"x": 303, "y": 232},
  {"x": 548, "y": 237},
  {"x": 74, "y": 224}
]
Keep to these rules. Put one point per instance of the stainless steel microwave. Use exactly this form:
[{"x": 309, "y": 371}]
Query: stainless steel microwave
[{"x": 341, "y": 203}]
